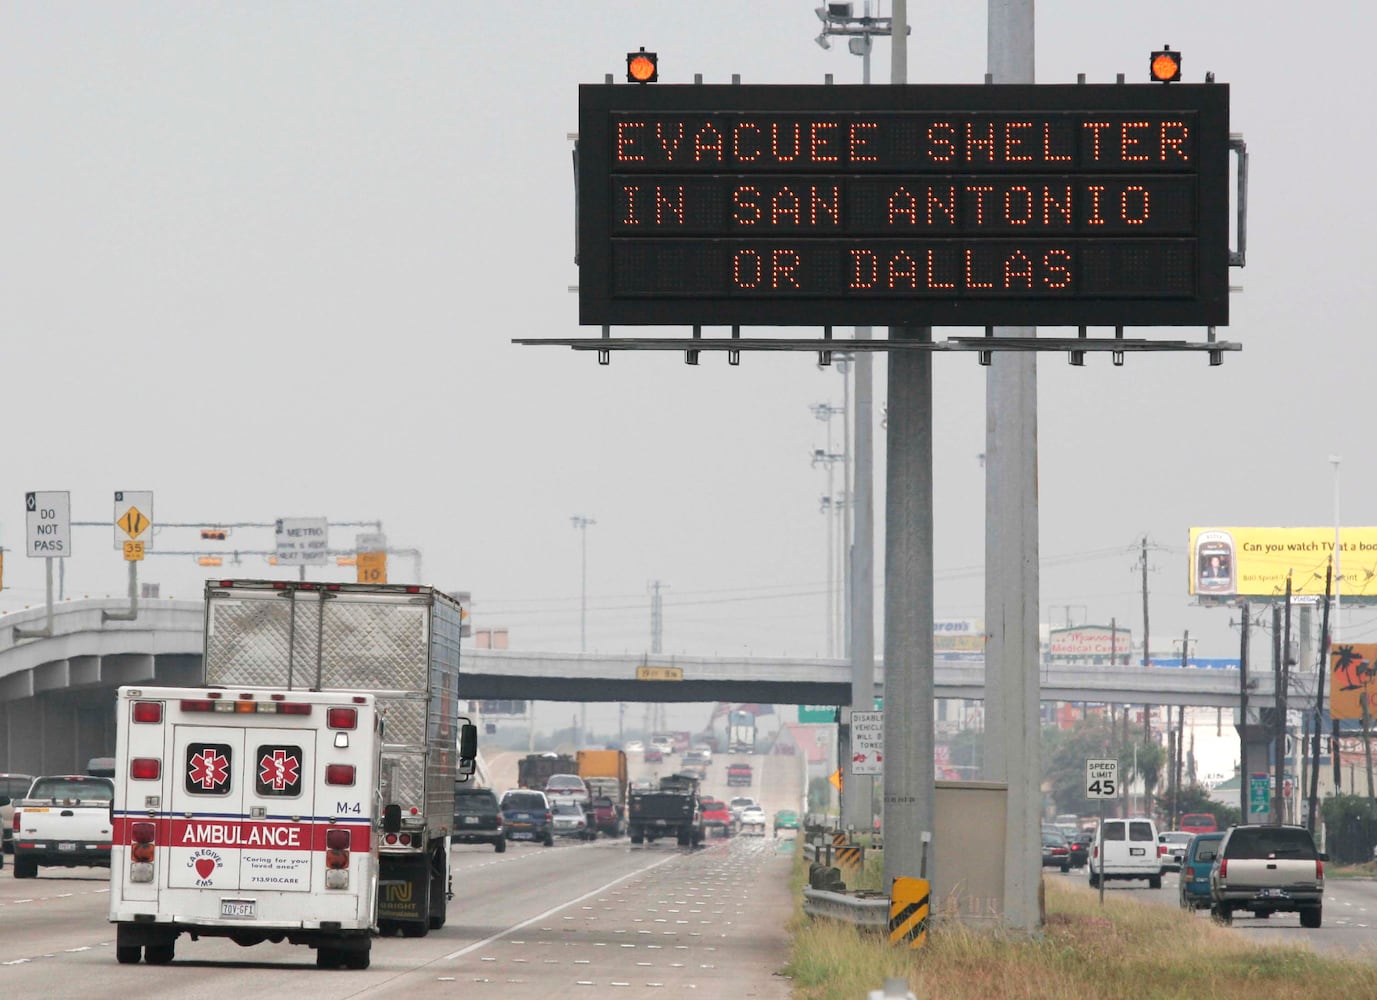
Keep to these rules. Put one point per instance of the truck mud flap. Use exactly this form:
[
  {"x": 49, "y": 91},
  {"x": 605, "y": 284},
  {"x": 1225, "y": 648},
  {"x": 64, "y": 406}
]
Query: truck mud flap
[{"x": 404, "y": 883}]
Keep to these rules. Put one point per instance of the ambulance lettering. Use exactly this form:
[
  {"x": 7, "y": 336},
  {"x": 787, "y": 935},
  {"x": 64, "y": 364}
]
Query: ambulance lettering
[{"x": 241, "y": 835}]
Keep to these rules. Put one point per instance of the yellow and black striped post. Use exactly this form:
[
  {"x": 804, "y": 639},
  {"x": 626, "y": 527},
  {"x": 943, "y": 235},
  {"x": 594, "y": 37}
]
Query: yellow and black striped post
[
  {"x": 850, "y": 858},
  {"x": 908, "y": 912}
]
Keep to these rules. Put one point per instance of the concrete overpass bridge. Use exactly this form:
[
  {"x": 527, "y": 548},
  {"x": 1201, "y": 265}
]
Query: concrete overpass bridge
[{"x": 57, "y": 692}]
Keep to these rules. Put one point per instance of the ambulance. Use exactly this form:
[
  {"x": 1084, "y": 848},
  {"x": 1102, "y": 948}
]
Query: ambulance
[{"x": 247, "y": 813}]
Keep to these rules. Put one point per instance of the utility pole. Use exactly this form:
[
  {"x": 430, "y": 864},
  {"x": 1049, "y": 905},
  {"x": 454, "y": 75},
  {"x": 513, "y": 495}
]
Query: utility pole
[
  {"x": 1319, "y": 706},
  {"x": 1278, "y": 720},
  {"x": 1244, "y": 773},
  {"x": 1284, "y": 695}
]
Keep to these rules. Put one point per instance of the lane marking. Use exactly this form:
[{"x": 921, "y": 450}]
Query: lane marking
[{"x": 552, "y": 911}]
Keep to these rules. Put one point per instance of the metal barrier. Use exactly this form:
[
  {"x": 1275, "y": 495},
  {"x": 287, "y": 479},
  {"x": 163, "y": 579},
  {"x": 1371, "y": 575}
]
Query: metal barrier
[{"x": 869, "y": 911}]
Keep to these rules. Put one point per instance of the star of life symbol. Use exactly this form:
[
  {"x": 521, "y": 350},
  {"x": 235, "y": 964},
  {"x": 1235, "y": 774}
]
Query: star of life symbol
[
  {"x": 209, "y": 769},
  {"x": 278, "y": 770}
]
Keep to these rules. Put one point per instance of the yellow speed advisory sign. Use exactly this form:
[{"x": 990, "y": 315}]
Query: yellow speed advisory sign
[{"x": 649, "y": 673}]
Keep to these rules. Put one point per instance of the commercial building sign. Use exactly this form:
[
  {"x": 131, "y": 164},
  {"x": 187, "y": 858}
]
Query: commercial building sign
[
  {"x": 1226, "y": 563},
  {"x": 958, "y": 635},
  {"x": 1090, "y": 641}
]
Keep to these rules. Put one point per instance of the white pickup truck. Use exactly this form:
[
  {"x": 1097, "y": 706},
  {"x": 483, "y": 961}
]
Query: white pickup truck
[{"x": 64, "y": 821}]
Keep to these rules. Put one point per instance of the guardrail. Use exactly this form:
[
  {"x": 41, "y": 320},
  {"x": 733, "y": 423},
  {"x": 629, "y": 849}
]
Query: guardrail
[{"x": 867, "y": 910}]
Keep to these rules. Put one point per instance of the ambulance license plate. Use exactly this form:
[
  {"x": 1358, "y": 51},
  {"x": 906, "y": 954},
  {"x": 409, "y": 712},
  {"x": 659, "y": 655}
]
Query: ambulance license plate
[
  {"x": 239, "y": 909},
  {"x": 65, "y": 846}
]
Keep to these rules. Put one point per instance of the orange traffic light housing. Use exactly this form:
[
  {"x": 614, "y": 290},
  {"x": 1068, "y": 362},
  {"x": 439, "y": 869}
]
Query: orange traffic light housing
[
  {"x": 210, "y": 561},
  {"x": 1165, "y": 66},
  {"x": 642, "y": 67}
]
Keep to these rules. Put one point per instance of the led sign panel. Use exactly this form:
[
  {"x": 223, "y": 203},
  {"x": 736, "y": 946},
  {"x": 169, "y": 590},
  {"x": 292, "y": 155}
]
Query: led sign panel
[{"x": 920, "y": 205}]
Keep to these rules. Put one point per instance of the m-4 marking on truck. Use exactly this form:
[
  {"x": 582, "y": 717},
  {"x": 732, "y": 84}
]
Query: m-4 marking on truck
[{"x": 349, "y": 807}]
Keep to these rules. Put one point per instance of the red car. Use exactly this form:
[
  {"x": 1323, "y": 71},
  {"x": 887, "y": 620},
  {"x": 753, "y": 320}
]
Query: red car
[
  {"x": 653, "y": 755},
  {"x": 717, "y": 818}
]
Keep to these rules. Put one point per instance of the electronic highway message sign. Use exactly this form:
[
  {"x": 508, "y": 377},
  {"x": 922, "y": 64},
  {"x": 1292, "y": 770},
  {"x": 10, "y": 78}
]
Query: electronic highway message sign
[{"x": 976, "y": 205}]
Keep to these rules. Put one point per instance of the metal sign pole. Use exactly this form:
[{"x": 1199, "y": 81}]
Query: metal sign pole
[{"x": 1099, "y": 834}]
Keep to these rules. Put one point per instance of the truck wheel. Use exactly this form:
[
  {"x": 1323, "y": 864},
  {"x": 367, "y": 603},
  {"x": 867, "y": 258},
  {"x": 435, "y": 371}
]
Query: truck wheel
[
  {"x": 25, "y": 868},
  {"x": 1310, "y": 916},
  {"x": 359, "y": 958},
  {"x": 549, "y": 840},
  {"x": 159, "y": 954},
  {"x": 328, "y": 958},
  {"x": 682, "y": 839},
  {"x": 500, "y": 846},
  {"x": 415, "y": 929},
  {"x": 1155, "y": 882},
  {"x": 1094, "y": 881},
  {"x": 636, "y": 837},
  {"x": 129, "y": 955},
  {"x": 1222, "y": 914}
]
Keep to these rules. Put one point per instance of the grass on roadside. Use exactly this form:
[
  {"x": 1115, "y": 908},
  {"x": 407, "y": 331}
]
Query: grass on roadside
[{"x": 1126, "y": 949}]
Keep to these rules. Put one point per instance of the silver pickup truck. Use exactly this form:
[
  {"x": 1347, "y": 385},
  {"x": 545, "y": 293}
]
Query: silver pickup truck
[
  {"x": 64, "y": 821},
  {"x": 1266, "y": 870}
]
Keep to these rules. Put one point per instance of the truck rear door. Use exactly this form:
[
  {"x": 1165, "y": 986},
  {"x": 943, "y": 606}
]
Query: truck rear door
[{"x": 243, "y": 809}]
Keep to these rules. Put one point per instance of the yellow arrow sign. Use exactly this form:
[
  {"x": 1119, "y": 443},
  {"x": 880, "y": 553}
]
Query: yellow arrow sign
[
  {"x": 133, "y": 522},
  {"x": 836, "y": 778}
]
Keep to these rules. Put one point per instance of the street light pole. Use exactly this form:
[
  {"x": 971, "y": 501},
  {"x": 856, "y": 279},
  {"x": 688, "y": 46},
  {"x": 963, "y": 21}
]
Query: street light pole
[{"x": 583, "y": 523}]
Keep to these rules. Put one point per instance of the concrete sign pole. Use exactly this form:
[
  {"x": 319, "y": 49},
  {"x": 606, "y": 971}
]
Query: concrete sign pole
[
  {"x": 1013, "y": 737},
  {"x": 908, "y": 775}
]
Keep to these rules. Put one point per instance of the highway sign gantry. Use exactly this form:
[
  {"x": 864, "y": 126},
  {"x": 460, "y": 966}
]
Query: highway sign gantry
[{"x": 133, "y": 520}]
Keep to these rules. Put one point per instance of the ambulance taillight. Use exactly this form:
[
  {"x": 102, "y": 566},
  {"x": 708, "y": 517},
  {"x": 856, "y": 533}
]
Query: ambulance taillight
[
  {"x": 339, "y": 774},
  {"x": 145, "y": 768},
  {"x": 148, "y": 711},
  {"x": 142, "y": 839},
  {"x": 337, "y": 841},
  {"x": 342, "y": 718}
]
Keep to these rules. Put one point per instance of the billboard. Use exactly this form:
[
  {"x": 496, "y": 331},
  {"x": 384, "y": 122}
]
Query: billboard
[
  {"x": 1352, "y": 674},
  {"x": 1228, "y": 563},
  {"x": 951, "y": 205}
]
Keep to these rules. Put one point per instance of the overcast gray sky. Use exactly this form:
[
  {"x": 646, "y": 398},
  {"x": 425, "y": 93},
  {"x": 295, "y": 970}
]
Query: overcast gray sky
[{"x": 266, "y": 259}]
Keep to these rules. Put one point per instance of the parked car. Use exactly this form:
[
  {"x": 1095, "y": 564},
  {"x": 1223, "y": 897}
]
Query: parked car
[
  {"x": 1080, "y": 848},
  {"x": 12, "y": 786},
  {"x": 1125, "y": 849},
  {"x": 653, "y": 755},
  {"x": 1171, "y": 849},
  {"x": 569, "y": 820},
  {"x": 1056, "y": 853},
  {"x": 527, "y": 815},
  {"x": 1201, "y": 853},
  {"x": 477, "y": 818},
  {"x": 717, "y": 818},
  {"x": 785, "y": 819}
]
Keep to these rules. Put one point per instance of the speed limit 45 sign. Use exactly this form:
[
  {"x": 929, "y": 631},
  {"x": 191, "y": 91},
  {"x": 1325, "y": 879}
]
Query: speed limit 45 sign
[{"x": 1101, "y": 778}]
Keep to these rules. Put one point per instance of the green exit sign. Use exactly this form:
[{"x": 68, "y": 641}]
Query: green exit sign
[{"x": 817, "y": 713}]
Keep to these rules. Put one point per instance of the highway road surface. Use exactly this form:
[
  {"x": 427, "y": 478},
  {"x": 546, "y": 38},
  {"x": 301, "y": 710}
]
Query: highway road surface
[{"x": 533, "y": 922}]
